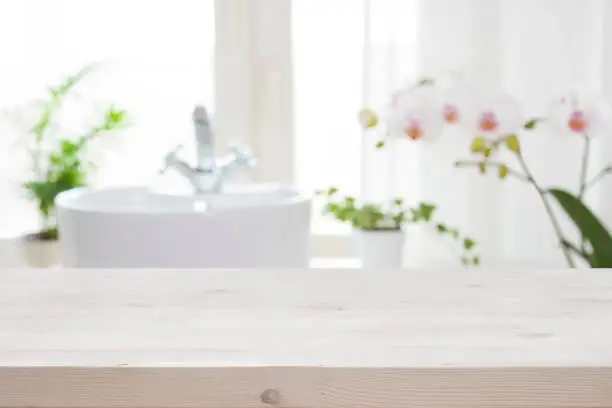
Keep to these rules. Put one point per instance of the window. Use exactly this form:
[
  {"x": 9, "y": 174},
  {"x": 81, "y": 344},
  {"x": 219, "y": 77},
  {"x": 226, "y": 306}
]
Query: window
[
  {"x": 156, "y": 61},
  {"x": 287, "y": 77},
  {"x": 348, "y": 55},
  {"x": 328, "y": 81}
]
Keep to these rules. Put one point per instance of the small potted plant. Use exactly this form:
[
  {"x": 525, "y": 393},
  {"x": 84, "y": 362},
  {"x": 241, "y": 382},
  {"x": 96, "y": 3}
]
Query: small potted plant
[
  {"x": 58, "y": 163},
  {"x": 379, "y": 230}
]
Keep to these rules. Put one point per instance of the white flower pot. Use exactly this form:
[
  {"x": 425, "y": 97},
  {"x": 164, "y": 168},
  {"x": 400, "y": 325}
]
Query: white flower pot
[
  {"x": 40, "y": 254},
  {"x": 380, "y": 249}
]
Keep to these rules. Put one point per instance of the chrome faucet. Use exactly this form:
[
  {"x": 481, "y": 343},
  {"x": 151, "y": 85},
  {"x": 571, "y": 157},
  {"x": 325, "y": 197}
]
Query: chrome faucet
[
  {"x": 204, "y": 138},
  {"x": 209, "y": 174}
]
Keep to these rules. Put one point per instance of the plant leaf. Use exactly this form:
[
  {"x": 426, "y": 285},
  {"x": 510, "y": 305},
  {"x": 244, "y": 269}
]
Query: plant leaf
[
  {"x": 590, "y": 227},
  {"x": 468, "y": 244},
  {"x": 512, "y": 143},
  {"x": 426, "y": 211},
  {"x": 532, "y": 123},
  {"x": 425, "y": 82},
  {"x": 482, "y": 168},
  {"x": 479, "y": 144}
]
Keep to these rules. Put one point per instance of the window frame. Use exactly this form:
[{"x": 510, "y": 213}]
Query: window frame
[{"x": 254, "y": 96}]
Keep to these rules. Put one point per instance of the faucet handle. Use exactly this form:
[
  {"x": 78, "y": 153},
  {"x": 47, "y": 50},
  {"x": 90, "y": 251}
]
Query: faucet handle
[
  {"x": 170, "y": 158},
  {"x": 243, "y": 154},
  {"x": 200, "y": 114}
]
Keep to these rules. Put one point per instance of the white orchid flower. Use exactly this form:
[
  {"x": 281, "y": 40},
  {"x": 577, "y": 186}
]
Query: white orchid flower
[
  {"x": 456, "y": 99},
  {"x": 581, "y": 113},
  {"x": 494, "y": 115},
  {"x": 415, "y": 114}
]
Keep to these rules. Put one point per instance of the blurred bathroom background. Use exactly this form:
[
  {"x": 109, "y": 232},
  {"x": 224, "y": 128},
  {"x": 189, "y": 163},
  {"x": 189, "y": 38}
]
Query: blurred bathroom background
[{"x": 287, "y": 77}]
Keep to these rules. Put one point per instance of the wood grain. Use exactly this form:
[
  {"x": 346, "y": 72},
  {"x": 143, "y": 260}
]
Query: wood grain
[
  {"x": 303, "y": 387},
  {"x": 321, "y": 338}
]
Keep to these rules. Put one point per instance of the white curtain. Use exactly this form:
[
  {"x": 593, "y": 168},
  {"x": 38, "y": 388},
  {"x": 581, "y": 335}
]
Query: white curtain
[
  {"x": 536, "y": 50},
  {"x": 353, "y": 54}
]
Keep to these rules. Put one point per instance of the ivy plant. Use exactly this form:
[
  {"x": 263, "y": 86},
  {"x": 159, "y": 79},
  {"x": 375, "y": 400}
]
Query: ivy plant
[{"x": 393, "y": 217}]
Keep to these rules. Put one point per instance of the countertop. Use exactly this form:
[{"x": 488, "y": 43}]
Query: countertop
[
  {"x": 271, "y": 328},
  {"x": 335, "y": 317}
]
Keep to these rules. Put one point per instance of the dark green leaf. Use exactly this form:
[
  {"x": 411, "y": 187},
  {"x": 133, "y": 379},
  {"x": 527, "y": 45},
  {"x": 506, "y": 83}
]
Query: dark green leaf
[
  {"x": 68, "y": 148},
  {"x": 468, "y": 244},
  {"x": 115, "y": 118},
  {"x": 532, "y": 123},
  {"x": 589, "y": 226},
  {"x": 442, "y": 228},
  {"x": 399, "y": 219},
  {"x": 426, "y": 211},
  {"x": 331, "y": 207},
  {"x": 49, "y": 234},
  {"x": 380, "y": 144}
]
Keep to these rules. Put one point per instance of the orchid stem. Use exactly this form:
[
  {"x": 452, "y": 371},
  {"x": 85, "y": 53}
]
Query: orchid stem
[
  {"x": 549, "y": 211},
  {"x": 514, "y": 173},
  {"x": 597, "y": 177},
  {"x": 583, "y": 180},
  {"x": 585, "y": 166}
]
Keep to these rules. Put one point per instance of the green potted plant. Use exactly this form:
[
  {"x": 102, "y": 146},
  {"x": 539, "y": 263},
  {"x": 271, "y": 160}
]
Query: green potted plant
[
  {"x": 57, "y": 162},
  {"x": 379, "y": 230}
]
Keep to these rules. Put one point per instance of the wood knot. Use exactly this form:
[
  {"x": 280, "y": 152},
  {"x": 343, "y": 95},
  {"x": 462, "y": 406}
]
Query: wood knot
[{"x": 270, "y": 397}]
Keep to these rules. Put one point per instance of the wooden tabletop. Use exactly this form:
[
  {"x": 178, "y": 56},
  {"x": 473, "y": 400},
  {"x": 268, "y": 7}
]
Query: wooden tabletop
[
  {"x": 510, "y": 323},
  {"x": 333, "y": 317}
]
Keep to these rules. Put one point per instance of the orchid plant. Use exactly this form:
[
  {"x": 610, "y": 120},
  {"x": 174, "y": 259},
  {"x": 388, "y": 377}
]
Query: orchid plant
[{"x": 423, "y": 110}]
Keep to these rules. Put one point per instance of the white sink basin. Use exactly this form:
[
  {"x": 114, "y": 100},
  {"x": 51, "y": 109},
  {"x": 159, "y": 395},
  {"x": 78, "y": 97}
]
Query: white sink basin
[{"x": 254, "y": 226}]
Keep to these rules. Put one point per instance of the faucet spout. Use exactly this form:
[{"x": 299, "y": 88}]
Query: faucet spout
[
  {"x": 209, "y": 174},
  {"x": 204, "y": 139}
]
